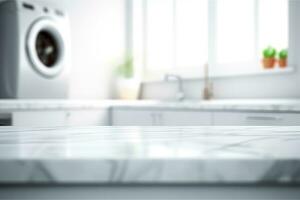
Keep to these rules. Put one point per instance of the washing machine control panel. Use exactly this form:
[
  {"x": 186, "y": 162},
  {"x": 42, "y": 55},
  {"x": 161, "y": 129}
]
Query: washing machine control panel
[{"x": 31, "y": 7}]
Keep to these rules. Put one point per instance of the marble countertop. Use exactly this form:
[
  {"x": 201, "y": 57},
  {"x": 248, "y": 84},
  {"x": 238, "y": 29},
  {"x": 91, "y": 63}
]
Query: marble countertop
[
  {"x": 47, "y": 104},
  {"x": 283, "y": 105},
  {"x": 150, "y": 155},
  {"x": 276, "y": 105}
]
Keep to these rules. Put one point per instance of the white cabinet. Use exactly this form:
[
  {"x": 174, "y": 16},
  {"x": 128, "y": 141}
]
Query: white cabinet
[
  {"x": 87, "y": 118},
  {"x": 147, "y": 117},
  {"x": 132, "y": 117},
  {"x": 186, "y": 118},
  {"x": 118, "y": 116},
  {"x": 48, "y": 118},
  {"x": 255, "y": 119},
  {"x": 176, "y": 117},
  {"x": 39, "y": 118}
]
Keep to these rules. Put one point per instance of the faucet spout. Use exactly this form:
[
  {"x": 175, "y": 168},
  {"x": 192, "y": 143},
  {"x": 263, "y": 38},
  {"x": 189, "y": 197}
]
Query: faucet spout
[{"x": 180, "y": 93}]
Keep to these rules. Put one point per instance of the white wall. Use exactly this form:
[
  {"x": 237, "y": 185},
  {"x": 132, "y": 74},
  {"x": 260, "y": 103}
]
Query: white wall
[
  {"x": 98, "y": 41},
  {"x": 267, "y": 86}
]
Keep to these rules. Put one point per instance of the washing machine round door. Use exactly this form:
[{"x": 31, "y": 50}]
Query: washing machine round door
[{"x": 46, "y": 47}]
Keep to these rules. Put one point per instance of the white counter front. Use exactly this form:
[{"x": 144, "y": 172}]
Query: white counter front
[{"x": 150, "y": 155}]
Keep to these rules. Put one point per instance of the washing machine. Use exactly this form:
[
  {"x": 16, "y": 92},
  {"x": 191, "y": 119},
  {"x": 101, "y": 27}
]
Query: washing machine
[{"x": 34, "y": 51}]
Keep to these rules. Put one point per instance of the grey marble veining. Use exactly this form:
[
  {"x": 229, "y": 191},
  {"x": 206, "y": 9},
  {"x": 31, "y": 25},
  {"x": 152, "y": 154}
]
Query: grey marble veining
[
  {"x": 150, "y": 155},
  {"x": 20, "y": 105},
  {"x": 287, "y": 105},
  {"x": 260, "y": 105}
]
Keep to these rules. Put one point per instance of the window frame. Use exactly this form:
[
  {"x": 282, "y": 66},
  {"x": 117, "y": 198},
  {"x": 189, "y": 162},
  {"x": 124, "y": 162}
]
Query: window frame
[{"x": 215, "y": 70}]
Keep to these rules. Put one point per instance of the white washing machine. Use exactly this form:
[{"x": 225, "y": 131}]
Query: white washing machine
[{"x": 34, "y": 51}]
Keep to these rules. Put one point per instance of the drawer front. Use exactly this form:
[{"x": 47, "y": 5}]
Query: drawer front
[
  {"x": 128, "y": 117},
  {"x": 88, "y": 118},
  {"x": 185, "y": 118},
  {"x": 255, "y": 119},
  {"x": 39, "y": 118}
]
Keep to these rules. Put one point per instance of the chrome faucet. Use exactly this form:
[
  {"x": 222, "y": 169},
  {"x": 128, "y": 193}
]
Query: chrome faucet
[{"x": 180, "y": 94}]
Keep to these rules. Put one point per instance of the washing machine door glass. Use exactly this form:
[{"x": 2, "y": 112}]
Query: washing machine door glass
[{"x": 46, "y": 47}]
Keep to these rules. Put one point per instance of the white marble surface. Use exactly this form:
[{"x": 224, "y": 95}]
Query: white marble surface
[
  {"x": 164, "y": 155},
  {"x": 20, "y": 105},
  {"x": 283, "y": 105},
  {"x": 287, "y": 105}
]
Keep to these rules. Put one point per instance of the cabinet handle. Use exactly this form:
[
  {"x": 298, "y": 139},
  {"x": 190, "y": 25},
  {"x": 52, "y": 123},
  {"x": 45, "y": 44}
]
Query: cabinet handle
[
  {"x": 263, "y": 118},
  {"x": 157, "y": 119},
  {"x": 68, "y": 114}
]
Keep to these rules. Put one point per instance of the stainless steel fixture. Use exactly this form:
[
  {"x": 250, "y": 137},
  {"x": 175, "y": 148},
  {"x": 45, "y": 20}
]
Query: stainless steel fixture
[
  {"x": 208, "y": 85},
  {"x": 180, "y": 93}
]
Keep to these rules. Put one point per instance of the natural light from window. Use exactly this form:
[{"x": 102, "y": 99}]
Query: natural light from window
[
  {"x": 191, "y": 33},
  {"x": 183, "y": 35},
  {"x": 159, "y": 41},
  {"x": 235, "y": 35},
  {"x": 273, "y": 24}
]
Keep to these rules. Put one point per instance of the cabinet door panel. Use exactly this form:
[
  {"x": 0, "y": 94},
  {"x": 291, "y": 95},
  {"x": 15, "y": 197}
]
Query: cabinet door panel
[
  {"x": 186, "y": 118},
  {"x": 88, "y": 118},
  {"x": 131, "y": 117},
  {"x": 256, "y": 119},
  {"x": 39, "y": 118}
]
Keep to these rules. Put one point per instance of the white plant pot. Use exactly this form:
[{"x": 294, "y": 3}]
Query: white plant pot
[{"x": 128, "y": 89}]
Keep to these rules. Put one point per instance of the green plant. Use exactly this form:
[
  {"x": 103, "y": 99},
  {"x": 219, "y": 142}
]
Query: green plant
[
  {"x": 269, "y": 52},
  {"x": 125, "y": 69},
  {"x": 283, "y": 54}
]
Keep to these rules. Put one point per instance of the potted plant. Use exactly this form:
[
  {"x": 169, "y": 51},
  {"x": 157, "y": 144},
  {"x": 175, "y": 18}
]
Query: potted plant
[
  {"x": 269, "y": 58},
  {"x": 127, "y": 84},
  {"x": 283, "y": 55}
]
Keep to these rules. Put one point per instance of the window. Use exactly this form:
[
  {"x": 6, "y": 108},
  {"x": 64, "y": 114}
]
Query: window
[
  {"x": 273, "y": 24},
  {"x": 235, "y": 35},
  {"x": 180, "y": 36},
  {"x": 160, "y": 25},
  {"x": 191, "y": 33}
]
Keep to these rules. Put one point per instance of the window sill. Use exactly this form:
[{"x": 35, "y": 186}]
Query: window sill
[
  {"x": 194, "y": 74},
  {"x": 256, "y": 72}
]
